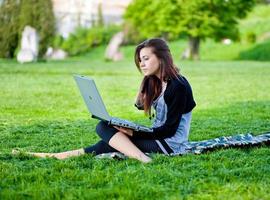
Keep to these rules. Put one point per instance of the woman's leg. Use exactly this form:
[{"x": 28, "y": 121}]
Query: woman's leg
[
  {"x": 61, "y": 155},
  {"x": 147, "y": 146},
  {"x": 112, "y": 141},
  {"x": 98, "y": 148},
  {"x": 120, "y": 142}
]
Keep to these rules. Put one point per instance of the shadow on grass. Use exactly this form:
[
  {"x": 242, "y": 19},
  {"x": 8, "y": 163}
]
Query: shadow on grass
[{"x": 260, "y": 52}]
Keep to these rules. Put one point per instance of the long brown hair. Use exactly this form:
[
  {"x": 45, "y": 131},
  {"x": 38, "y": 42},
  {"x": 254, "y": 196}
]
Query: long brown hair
[{"x": 151, "y": 86}]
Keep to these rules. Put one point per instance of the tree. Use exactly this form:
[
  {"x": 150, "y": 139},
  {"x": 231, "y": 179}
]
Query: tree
[
  {"x": 9, "y": 28},
  {"x": 196, "y": 19},
  {"x": 100, "y": 20},
  {"x": 16, "y": 14},
  {"x": 38, "y": 14}
]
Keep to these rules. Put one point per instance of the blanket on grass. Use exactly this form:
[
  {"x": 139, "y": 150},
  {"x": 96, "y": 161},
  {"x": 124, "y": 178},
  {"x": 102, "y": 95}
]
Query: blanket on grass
[{"x": 235, "y": 141}]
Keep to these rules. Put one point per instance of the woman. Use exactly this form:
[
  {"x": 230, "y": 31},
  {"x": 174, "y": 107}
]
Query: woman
[{"x": 162, "y": 88}]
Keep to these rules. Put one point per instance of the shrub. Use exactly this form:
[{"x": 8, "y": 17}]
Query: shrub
[
  {"x": 84, "y": 39},
  {"x": 38, "y": 14},
  {"x": 9, "y": 28},
  {"x": 251, "y": 37},
  {"x": 132, "y": 36},
  {"x": 15, "y": 15},
  {"x": 57, "y": 41},
  {"x": 258, "y": 52}
]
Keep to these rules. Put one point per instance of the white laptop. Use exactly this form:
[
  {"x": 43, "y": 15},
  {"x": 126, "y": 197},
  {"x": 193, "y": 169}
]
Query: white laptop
[{"x": 97, "y": 108}]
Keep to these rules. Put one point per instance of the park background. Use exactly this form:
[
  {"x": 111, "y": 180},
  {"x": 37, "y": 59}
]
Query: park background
[{"x": 41, "y": 108}]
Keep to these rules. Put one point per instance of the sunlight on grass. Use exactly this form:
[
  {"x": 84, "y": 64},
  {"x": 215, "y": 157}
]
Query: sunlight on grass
[{"x": 42, "y": 110}]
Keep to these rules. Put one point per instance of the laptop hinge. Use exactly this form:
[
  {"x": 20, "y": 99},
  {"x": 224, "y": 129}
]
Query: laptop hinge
[{"x": 95, "y": 117}]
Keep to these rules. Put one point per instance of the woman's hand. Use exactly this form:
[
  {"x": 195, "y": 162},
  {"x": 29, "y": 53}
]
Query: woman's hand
[{"x": 126, "y": 131}]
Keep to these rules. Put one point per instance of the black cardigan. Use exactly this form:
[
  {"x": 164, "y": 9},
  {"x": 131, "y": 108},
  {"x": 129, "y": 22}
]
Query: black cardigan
[{"x": 179, "y": 100}]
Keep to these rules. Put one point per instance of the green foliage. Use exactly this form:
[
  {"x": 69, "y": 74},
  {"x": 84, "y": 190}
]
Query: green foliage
[
  {"x": 15, "y": 15},
  {"x": 57, "y": 41},
  {"x": 259, "y": 51},
  {"x": 251, "y": 37},
  {"x": 131, "y": 34},
  {"x": 84, "y": 39},
  {"x": 154, "y": 18},
  {"x": 9, "y": 10},
  {"x": 197, "y": 18},
  {"x": 38, "y": 14},
  {"x": 257, "y": 21}
]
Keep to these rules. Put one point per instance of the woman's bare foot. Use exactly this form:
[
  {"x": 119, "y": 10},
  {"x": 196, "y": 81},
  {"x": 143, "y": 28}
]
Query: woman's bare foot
[
  {"x": 15, "y": 151},
  {"x": 144, "y": 158}
]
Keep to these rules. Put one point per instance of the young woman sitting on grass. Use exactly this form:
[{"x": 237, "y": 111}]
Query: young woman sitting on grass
[{"x": 170, "y": 94}]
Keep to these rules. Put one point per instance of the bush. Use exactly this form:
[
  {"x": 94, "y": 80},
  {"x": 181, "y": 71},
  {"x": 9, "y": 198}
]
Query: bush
[
  {"x": 57, "y": 41},
  {"x": 15, "y": 15},
  {"x": 9, "y": 36},
  {"x": 38, "y": 14},
  {"x": 84, "y": 39},
  {"x": 258, "y": 52},
  {"x": 251, "y": 37},
  {"x": 132, "y": 36}
]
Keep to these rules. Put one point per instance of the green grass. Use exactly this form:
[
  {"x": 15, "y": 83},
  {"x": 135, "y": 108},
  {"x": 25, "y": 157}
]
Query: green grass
[{"x": 41, "y": 110}]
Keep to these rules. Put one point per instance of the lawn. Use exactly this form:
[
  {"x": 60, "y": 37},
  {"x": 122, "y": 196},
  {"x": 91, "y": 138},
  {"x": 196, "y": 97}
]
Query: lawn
[{"x": 41, "y": 110}]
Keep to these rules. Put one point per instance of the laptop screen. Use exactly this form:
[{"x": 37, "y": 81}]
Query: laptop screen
[{"x": 92, "y": 97}]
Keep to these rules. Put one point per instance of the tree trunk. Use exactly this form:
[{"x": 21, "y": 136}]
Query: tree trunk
[{"x": 192, "y": 51}]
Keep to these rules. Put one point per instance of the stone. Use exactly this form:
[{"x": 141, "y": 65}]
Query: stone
[
  {"x": 29, "y": 45},
  {"x": 226, "y": 41},
  {"x": 55, "y": 54},
  {"x": 112, "y": 51},
  {"x": 186, "y": 54}
]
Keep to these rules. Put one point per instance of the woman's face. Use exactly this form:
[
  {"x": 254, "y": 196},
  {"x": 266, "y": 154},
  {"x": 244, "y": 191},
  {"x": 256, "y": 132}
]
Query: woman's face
[{"x": 149, "y": 62}]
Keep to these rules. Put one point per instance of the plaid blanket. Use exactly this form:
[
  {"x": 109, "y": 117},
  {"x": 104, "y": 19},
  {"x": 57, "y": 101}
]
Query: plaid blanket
[{"x": 240, "y": 140}]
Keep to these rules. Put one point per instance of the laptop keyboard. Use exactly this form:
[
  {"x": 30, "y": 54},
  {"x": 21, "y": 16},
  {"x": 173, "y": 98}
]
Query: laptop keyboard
[
  {"x": 123, "y": 122},
  {"x": 129, "y": 124}
]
